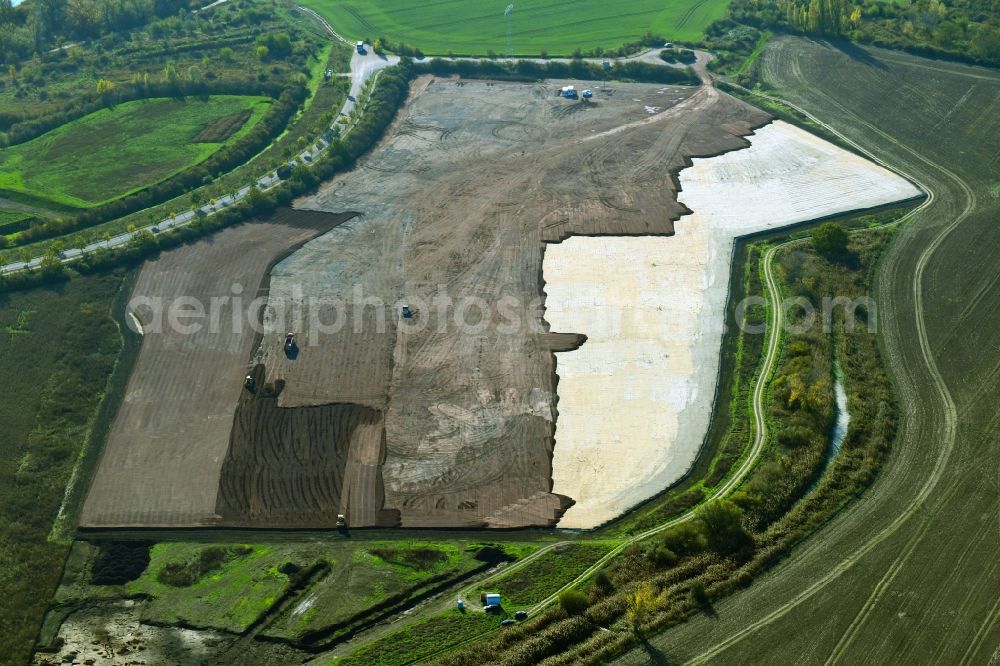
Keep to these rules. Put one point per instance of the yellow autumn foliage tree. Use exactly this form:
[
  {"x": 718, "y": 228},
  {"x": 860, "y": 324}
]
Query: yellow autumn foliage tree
[{"x": 642, "y": 604}]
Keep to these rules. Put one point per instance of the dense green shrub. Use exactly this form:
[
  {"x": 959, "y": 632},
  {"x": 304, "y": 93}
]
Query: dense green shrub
[
  {"x": 830, "y": 240},
  {"x": 210, "y": 559},
  {"x": 602, "y": 581},
  {"x": 119, "y": 562},
  {"x": 684, "y": 539},
  {"x": 573, "y": 602},
  {"x": 723, "y": 527}
]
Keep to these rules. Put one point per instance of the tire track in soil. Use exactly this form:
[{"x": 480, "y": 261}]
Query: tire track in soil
[
  {"x": 949, "y": 424},
  {"x": 689, "y": 13}
]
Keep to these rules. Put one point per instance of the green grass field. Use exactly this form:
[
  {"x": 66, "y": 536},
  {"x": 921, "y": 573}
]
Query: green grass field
[
  {"x": 12, "y": 221},
  {"x": 12, "y": 216},
  {"x": 114, "y": 152},
  {"x": 230, "y": 596},
  {"x": 555, "y": 26},
  {"x": 372, "y": 576}
]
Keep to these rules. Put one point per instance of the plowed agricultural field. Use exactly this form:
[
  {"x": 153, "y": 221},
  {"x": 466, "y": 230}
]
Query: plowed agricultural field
[
  {"x": 909, "y": 573},
  {"x": 457, "y": 206},
  {"x": 164, "y": 456}
]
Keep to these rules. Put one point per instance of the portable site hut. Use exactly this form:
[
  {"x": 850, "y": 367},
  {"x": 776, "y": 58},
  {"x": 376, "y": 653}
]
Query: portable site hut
[{"x": 492, "y": 599}]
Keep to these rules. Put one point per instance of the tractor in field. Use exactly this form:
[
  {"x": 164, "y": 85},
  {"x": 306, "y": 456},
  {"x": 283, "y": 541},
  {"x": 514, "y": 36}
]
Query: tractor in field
[
  {"x": 569, "y": 92},
  {"x": 291, "y": 346}
]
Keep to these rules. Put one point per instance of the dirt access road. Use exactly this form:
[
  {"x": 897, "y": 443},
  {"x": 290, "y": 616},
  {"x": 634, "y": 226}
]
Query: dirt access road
[{"x": 908, "y": 573}]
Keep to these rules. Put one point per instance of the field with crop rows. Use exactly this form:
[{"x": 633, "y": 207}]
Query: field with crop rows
[
  {"x": 555, "y": 26},
  {"x": 112, "y": 152},
  {"x": 904, "y": 575}
]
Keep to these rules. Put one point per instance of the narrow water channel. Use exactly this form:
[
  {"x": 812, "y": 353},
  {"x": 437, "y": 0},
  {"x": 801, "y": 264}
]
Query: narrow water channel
[{"x": 843, "y": 416}]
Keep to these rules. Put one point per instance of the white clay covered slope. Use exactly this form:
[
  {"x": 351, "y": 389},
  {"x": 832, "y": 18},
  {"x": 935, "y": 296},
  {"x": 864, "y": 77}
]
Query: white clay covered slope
[{"x": 635, "y": 400}]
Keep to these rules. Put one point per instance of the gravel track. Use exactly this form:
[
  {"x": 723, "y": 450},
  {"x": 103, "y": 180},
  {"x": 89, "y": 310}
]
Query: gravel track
[{"x": 864, "y": 590}]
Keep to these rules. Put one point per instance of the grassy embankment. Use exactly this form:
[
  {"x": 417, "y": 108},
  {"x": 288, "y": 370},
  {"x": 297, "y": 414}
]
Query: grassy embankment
[
  {"x": 557, "y": 27},
  {"x": 117, "y": 151},
  {"x": 532, "y": 583},
  {"x": 57, "y": 350}
]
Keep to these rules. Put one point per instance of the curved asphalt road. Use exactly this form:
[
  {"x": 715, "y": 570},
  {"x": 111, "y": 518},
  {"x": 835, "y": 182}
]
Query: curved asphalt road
[{"x": 363, "y": 67}]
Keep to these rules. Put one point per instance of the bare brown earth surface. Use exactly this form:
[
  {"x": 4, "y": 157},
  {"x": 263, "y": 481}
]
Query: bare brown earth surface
[
  {"x": 442, "y": 419},
  {"x": 458, "y": 202},
  {"x": 164, "y": 454},
  {"x": 301, "y": 466}
]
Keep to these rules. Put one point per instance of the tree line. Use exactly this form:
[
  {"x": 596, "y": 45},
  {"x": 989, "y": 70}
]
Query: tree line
[
  {"x": 533, "y": 70},
  {"x": 967, "y": 30}
]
